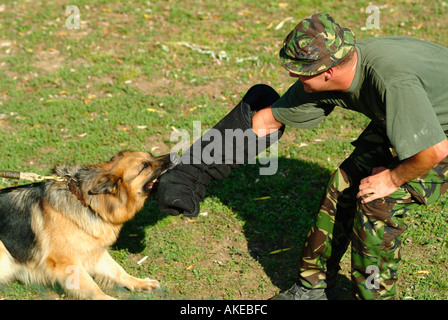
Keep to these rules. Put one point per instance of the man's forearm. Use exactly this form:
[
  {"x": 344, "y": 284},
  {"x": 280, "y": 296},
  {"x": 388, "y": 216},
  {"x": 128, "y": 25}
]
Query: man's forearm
[
  {"x": 419, "y": 164},
  {"x": 264, "y": 122},
  {"x": 384, "y": 182}
]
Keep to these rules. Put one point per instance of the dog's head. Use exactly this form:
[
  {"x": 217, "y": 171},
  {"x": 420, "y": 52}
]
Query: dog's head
[
  {"x": 136, "y": 171},
  {"x": 118, "y": 189}
]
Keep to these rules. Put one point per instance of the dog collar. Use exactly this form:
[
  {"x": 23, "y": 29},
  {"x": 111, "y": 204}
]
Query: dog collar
[{"x": 73, "y": 186}]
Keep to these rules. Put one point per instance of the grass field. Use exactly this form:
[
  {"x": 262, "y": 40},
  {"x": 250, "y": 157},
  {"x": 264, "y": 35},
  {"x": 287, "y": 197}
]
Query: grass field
[{"x": 137, "y": 70}]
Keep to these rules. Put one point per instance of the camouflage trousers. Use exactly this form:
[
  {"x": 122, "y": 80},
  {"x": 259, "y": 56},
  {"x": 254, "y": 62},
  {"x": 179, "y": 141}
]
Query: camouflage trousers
[{"x": 374, "y": 229}]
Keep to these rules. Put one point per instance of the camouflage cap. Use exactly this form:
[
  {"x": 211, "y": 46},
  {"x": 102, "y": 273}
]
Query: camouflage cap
[{"x": 315, "y": 45}]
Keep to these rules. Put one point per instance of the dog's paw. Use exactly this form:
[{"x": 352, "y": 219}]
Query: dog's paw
[{"x": 146, "y": 285}]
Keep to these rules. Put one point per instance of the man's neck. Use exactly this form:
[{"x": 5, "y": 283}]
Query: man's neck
[{"x": 345, "y": 75}]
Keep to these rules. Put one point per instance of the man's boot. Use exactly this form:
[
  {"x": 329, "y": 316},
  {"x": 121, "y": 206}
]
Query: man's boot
[{"x": 299, "y": 292}]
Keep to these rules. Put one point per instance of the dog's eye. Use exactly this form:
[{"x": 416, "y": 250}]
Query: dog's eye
[{"x": 145, "y": 165}]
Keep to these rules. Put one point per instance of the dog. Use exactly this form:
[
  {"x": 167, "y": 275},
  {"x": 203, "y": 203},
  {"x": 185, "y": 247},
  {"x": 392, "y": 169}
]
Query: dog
[{"x": 59, "y": 232}]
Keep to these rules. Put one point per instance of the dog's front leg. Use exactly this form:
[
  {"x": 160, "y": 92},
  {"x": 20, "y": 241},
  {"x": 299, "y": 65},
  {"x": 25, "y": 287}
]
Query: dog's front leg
[
  {"x": 108, "y": 269},
  {"x": 75, "y": 280}
]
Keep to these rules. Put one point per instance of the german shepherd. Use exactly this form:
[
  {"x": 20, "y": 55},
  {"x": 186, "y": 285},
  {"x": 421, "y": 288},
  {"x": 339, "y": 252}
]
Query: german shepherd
[{"x": 60, "y": 231}]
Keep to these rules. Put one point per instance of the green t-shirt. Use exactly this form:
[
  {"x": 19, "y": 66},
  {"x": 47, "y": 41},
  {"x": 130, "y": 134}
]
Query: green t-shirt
[{"x": 400, "y": 83}]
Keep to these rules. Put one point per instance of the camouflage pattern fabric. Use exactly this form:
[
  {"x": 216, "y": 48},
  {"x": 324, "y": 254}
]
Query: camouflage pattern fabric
[
  {"x": 316, "y": 44},
  {"x": 374, "y": 229}
]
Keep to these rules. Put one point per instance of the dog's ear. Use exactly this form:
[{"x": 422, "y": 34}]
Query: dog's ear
[{"x": 107, "y": 184}]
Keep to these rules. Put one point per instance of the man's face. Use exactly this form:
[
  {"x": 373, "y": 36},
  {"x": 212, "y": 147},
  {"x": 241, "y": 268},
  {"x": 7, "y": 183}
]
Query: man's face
[{"x": 311, "y": 84}]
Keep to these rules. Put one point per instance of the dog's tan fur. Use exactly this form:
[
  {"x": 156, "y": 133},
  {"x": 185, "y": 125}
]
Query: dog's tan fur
[{"x": 71, "y": 240}]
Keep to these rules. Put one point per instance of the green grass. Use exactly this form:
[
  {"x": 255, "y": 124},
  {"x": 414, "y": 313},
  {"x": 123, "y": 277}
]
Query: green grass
[{"x": 137, "y": 69}]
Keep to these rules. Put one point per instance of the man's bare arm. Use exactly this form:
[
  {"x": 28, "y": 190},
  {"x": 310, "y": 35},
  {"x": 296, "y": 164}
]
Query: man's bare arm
[
  {"x": 383, "y": 181},
  {"x": 264, "y": 122}
]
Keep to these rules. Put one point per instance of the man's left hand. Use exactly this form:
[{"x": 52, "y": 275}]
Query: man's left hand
[{"x": 378, "y": 185}]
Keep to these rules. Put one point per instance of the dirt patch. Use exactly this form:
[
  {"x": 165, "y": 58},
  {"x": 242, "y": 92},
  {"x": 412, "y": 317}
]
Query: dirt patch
[
  {"x": 163, "y": 86},
  {"x": 48, "y": 61},
  {"x": 158, "y": 87}
]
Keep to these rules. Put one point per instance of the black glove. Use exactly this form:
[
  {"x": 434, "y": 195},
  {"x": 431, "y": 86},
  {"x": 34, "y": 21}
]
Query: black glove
[{"x": 182, "y": 188}]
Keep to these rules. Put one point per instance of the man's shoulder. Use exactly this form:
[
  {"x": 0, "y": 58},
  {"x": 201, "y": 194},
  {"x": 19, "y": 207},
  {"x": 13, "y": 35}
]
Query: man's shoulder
[
  {"x": 399, "y": 58},
  {"x": 391, "y": 40},
  {"x": 397, "y": 46}
]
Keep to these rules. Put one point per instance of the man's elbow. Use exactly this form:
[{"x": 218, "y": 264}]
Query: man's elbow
[{"x": 440, "y": 151}]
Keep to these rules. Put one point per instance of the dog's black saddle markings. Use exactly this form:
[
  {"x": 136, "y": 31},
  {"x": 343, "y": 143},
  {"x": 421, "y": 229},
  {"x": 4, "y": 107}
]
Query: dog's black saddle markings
[{"x": 15, "y": 219}]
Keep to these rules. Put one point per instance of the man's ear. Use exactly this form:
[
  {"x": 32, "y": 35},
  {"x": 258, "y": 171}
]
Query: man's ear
[
  {"x": 107, "y": 184},
  {"x": 328, "y": 74}
]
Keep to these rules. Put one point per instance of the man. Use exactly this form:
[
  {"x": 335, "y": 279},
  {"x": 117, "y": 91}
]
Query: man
[{"x": 400, "y": 161}]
